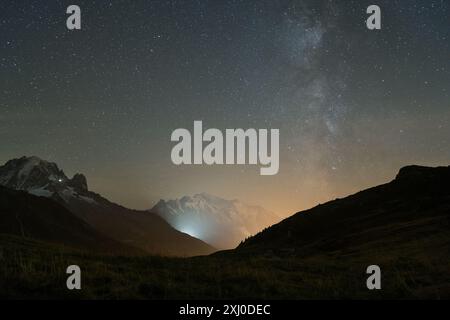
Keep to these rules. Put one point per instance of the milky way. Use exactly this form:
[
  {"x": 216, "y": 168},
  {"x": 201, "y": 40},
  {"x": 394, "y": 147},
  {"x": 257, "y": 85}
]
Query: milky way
[{"x": 352, "y": 105}]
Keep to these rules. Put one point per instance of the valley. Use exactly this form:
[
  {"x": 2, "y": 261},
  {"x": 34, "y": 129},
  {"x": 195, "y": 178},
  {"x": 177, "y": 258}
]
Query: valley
[
  {"x": 142, "y": 230},
  {"x": 322, "y": 253}
]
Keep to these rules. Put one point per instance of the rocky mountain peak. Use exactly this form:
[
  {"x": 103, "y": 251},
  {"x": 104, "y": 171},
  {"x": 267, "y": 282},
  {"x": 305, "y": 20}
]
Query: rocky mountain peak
[
  {"x": 79, "y": 182},
  {"x": 40, "y": 177}
]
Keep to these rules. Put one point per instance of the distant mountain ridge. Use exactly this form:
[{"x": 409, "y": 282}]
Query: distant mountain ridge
[
  {"x": 140, "y": 229},
  {"x": 220, "y": 222}
]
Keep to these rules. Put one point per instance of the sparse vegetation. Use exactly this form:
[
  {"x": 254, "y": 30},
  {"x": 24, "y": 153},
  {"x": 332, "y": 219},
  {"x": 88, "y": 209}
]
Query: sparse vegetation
[{"x": 31, "y": 269}]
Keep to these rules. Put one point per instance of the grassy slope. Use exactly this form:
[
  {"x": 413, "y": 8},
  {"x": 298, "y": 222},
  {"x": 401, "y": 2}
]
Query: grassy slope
[
  {"x": 44, "y": 219},
  {"x": 30, "y": 269}
]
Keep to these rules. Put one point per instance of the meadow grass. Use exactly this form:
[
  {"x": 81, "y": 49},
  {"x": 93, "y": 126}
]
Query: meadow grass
[{"x": 36, "y": 270}]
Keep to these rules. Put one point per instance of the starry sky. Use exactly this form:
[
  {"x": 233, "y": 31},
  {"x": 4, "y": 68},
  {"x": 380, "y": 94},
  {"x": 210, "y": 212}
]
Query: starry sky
[{"x": 352, "y": 105}]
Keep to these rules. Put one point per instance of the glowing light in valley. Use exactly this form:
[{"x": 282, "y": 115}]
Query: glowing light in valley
[{"x": 189, "y": 230}]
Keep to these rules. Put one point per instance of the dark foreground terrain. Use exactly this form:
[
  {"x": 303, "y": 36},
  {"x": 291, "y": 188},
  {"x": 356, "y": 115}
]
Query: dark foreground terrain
[
  {"x": 36, "y": 270},
  {"x": 321, "y": 253}
]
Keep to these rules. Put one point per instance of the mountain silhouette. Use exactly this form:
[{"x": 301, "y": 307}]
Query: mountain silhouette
[
  {"x": 140, "y": 229},
  {"x": 416, "y": 205},
  {"x": 40, "y": 218}
]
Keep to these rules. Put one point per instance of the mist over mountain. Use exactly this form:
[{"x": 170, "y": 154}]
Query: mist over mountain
[
  {"x": 220, "y": 222},
  {"x": 140, "y": 229}
]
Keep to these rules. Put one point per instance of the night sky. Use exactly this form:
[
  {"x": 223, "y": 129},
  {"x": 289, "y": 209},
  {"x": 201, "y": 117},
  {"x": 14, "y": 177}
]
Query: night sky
[{"x": 352, "y": 105}]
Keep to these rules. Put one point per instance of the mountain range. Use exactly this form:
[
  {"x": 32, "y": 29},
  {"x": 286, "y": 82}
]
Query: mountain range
[
  {"x": 402, "y": 226},
  {"x": 220, "y": 222},
  {"x": 143, "y": 230}
]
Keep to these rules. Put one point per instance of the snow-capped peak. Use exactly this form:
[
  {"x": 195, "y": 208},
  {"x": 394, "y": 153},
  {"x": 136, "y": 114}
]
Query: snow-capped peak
[
  {"x": 220, "y": 222},
  {"x": 41, "y": 178},
  {"x": 30, "y": 172}
]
